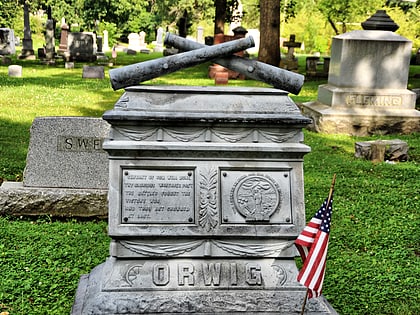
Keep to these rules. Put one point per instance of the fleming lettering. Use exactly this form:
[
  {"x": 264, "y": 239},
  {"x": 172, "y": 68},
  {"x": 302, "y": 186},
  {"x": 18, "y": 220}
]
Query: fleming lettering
[{"x": 373, "y": 100}]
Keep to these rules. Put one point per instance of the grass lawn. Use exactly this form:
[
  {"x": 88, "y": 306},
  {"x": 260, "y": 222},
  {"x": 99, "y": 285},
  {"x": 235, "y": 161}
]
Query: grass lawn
[{"x": 373, "y": 262}]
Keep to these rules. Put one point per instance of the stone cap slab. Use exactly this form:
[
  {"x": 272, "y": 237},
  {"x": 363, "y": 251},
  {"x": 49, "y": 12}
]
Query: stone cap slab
[
  {"x": 66, "y": 152},
  {"x": 205, "y": 104}
]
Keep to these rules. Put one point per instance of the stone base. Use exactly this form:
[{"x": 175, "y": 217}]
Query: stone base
[
  {"x": 359, "y": 121},
  {"x": 122, "y": 287},
  {"x": 17, "y": 200}
]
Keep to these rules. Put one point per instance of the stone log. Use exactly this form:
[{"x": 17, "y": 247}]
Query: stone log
[
  {"x": 277, "y": 77},
  {"x": 143, "y": 71}
]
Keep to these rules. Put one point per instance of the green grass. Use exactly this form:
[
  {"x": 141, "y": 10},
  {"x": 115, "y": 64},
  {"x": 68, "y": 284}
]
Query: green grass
[{"x": 373, "y": 261}]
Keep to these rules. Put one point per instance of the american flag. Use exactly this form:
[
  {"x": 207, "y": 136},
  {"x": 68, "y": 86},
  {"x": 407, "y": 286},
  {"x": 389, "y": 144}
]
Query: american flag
[{"x": 312, "y": 245}]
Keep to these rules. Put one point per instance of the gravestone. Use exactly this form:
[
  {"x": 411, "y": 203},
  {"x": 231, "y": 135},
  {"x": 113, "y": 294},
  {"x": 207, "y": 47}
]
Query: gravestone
[
  {"x": 367, "y": 90},
  {"x": 134, "y": 42},
  {"x": 205, "y": 201},
  {"x": 159, "y": 40},
  {"x": 15, "y": 71},
  {"x": 142, "y": 40},
  {"x": 200, "y": 34},
  {"x": 63, "y": 47},
  {"x": 93, "y": 72},
  {"x": 82, "y": 46},
  {"x": 49, "y": 41},
  {"x": 66, "y": 171},
  {"x": 27, "y": 43},
  {"x": 7, "y": 41},
  {"x": 255, "y": 33},
  {"x": 105, "y": 46},
  {"x": 290, "y": 62}
]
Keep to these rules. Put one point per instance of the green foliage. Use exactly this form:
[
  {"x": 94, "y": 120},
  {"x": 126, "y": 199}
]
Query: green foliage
[
  {"x": 113, "y": 33},
  {"x": 41, "y": 261},
  {"x": 373, "y": 258},
  {"x": 407, "y": 23},
  {"x": 8, "y": 12}
]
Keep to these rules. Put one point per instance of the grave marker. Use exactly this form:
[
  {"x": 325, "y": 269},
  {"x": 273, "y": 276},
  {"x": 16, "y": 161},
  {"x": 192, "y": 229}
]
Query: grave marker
[
  {"x": 15, "y": 71},
  {"x": 66, "y": 170},
  {"x": 82, "y": 46},
  {"x": 367, "y": 86},
  {"x": 7, "y": 41}
]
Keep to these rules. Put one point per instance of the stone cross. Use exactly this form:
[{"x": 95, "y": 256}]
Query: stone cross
[{"x": 291, "y": 45}]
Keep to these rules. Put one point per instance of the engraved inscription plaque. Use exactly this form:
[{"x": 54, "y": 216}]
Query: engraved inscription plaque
[{"x": 157, "y": 196}]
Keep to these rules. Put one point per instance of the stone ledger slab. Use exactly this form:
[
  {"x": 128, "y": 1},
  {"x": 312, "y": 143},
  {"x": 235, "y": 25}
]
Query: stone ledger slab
[{"x": 17, "y": 200}]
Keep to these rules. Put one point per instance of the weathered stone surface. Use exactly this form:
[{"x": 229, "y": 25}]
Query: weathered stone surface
[
  {"x": 93, "y": 72},
  {"x": 16, "y": 200},
  {"x": 66, "y": 152},
  {"x": 210, "y": 299},
  {"x": 205, "y": 200},
  {"x": 367, "y": 87},
  {"x": 380, "y": 150},
  {"x": 361, "y": 121}
]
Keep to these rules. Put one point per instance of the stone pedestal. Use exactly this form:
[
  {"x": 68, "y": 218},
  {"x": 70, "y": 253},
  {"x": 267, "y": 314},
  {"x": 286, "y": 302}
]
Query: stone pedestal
[
  {"x": 367, "y": 86},
  {"x": 205, "y": 201}
]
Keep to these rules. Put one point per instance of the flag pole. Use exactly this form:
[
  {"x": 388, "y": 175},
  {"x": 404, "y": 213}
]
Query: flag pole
[{"x": 328, "y": 201}]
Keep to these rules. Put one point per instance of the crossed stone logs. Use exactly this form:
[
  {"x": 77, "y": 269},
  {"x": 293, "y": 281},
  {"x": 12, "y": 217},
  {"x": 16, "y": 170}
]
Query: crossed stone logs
[{"x": 196, "y": 53}]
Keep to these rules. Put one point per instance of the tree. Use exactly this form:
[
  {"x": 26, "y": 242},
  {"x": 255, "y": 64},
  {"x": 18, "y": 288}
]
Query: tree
[
  {"x": 269, "y": 51},
  {"x": 220, "y": 16},
  {"x": 347, "y": 11},
  {"x": 7, "y": 12}
]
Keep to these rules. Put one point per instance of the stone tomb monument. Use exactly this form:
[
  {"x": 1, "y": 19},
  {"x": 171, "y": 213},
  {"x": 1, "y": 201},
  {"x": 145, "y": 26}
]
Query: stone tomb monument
[
  {"x": 205, "y": 201},
  {"x": 367, "y": 86},
  {"x": 81, "y": 47}
]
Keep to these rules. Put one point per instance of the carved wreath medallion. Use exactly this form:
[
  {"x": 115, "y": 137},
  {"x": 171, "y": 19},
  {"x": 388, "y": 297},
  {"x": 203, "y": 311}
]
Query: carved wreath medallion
[{"x": 256, "y": 197}]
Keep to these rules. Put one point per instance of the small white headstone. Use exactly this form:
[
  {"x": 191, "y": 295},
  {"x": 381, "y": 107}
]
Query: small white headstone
[
  {"x": 15, "y": 71},
  {"x": 200, "y": 35},
  {"x": 134, "y": 41},
  {"x": 69, "y": 65},
  {"x": 159, "y": 40},
  {"x": 105, "y": 46}
]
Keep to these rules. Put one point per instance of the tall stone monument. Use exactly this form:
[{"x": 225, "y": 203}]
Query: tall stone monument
[
  {"x": 49, "y": 41},
  {"x": 367, "y": 85},
  {"x": 205, "y": 201},
  {"x": 62, "y": 48},
  {"x": 27, "y": 44}
]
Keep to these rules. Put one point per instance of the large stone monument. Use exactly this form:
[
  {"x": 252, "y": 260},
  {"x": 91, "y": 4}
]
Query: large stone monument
[
  {"x": 49, "y": 41},
  {"x": 82, "y": 46},
  {"x": 367, "y": 86},
  {"x": 205, "y": 201},
  {"x": 27, "y": 43}
]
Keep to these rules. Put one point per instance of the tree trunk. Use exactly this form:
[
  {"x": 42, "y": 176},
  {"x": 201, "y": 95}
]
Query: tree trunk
[
  {"x": 269, "y": 51},
  {"x": 220, "y": 16}
]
